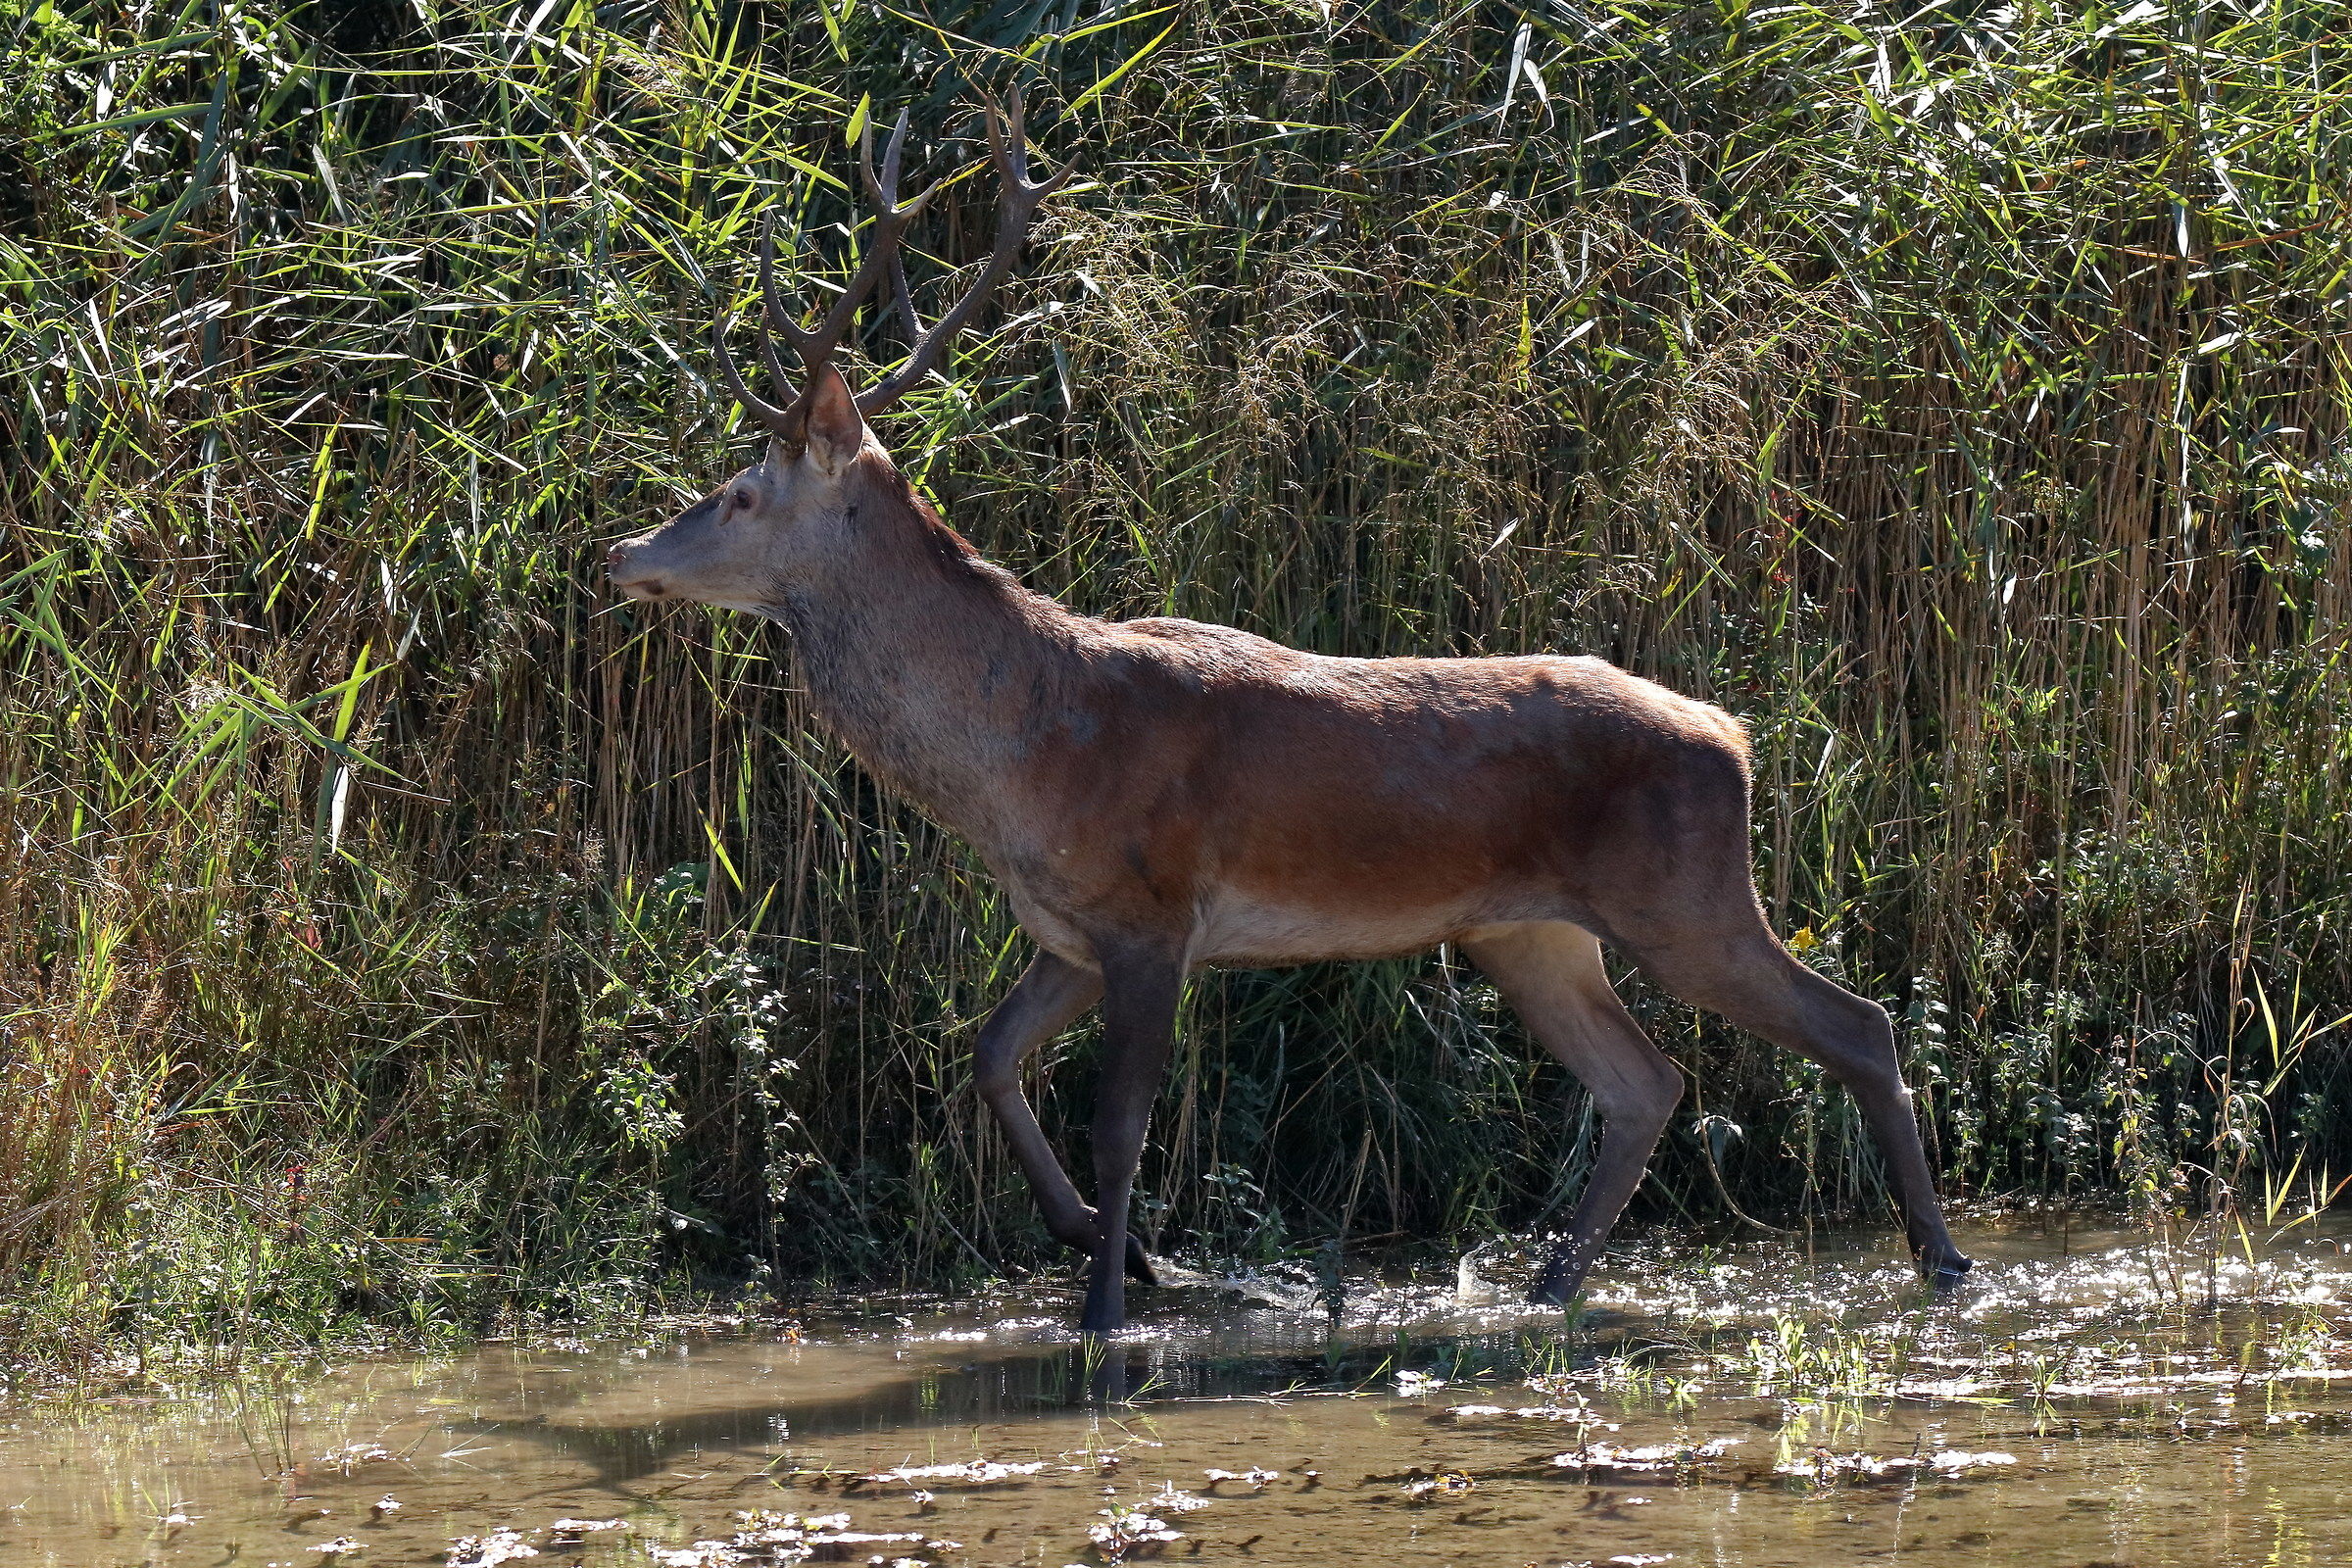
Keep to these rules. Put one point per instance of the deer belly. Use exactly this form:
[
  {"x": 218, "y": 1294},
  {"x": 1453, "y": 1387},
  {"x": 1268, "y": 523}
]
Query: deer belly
[{"x": 1249, "y": 931}]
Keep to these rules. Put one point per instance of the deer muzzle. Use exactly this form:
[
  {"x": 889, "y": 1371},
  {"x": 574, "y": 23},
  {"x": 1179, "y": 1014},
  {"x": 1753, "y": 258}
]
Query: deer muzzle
[{"x": 631, "y": 575}]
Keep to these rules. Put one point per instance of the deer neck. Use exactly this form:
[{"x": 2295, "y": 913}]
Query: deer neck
[{"x": 926, "y": 662}]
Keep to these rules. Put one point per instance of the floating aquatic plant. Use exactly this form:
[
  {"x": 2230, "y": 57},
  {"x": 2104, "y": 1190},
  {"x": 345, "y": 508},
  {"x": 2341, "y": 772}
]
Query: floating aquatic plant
[
  {"x": 1255, "y": 1476},
  {"x": 1444, "y": 1484},
  {"x": 352, "y": 1455},
  {"x": 488, "y": 1551},
  {"x": 1655, "y": 1458},
  {"x": 573, "y": 1532},
  {"x": 970, "y": 1473},
  {"x": 1125, "y": 1529},
  {"x": 1824, "y": 1467}
]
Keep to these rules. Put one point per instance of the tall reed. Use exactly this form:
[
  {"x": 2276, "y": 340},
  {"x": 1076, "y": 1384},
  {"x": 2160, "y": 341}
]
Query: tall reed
[{"x": 391, "y": 924}]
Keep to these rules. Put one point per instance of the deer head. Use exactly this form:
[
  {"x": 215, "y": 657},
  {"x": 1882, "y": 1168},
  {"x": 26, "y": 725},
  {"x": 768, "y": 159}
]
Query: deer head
[{"x": 744, "y": 545}]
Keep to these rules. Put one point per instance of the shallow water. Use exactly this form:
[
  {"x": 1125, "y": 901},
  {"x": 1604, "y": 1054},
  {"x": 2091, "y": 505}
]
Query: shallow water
[{"x": 2078, "y": 1402}]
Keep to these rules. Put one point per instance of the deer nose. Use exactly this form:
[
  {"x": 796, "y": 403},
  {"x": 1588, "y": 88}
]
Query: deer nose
[{"x": 616, "y": 555}]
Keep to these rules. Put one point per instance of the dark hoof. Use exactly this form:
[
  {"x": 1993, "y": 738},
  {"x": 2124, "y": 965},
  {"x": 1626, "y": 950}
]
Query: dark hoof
[
  {"x": 1942, "y": 1273},
  {"x": 1138, "y": 1265}
]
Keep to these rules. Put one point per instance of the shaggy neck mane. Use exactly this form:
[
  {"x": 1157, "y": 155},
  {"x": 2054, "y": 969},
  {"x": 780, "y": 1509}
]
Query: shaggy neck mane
[{"x": 929, "y": 662}]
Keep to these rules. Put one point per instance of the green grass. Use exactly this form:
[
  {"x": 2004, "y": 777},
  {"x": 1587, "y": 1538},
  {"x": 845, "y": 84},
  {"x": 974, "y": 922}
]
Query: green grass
[{"x": 394, "y": 928}]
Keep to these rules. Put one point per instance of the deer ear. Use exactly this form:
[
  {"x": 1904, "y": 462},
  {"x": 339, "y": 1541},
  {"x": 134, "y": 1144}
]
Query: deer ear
[{"x": 835, "y": 429}]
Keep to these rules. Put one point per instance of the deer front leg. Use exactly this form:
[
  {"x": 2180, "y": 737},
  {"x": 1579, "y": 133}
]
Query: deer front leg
[
  {"x": 1139, "y": 1024},
  {"x": 1050, "y": 995}
]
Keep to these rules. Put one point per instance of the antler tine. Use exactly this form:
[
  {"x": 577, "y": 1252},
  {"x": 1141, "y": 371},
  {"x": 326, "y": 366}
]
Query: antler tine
[
  {"x": 1009, "y": 148},
  {"x": 781, "y": 318},
  {"x": 906, "y": 299},
  {"x": 885, "y": 194},
  {"x": 1009, "y": 142},
  {"x": 816, "y": 345},
  {"x": 885, "y": 191},
  {"x": 778, "y": 374},
  {"x": 776, "y": 419}
]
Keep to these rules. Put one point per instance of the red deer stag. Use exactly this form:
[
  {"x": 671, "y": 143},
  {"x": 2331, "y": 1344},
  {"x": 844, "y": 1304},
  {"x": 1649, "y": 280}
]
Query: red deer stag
[{"x": 1158, "y": 794}]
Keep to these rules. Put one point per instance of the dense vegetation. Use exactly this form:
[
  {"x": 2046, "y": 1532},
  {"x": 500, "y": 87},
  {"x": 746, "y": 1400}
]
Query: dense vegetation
[{"x": 391, "y": 925}]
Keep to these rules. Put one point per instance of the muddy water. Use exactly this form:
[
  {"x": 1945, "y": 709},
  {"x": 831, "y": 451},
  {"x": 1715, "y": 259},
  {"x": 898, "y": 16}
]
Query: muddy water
[{"x": 2090, "y": 1398}]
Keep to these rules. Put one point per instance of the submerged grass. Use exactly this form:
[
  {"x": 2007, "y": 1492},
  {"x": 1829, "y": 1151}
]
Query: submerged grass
[{"x": 392, "y": 929}]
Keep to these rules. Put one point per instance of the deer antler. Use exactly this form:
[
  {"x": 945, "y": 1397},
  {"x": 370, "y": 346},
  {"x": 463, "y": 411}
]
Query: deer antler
[
  {"x": 1010, "y": 151},
  {"x": 1009, "y": 148},
  {"x": 817, "y": 346}
]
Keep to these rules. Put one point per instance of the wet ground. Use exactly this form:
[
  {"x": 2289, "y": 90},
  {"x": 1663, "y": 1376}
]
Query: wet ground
[{"x": 2091, "y": 1396}]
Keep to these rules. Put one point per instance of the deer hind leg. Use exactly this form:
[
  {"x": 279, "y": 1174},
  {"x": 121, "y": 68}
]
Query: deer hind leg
[
  {"x": 1551, "y": 975},
  {"x": 1746, "y": 976},
  {"x": 1050, "y": 995}
]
